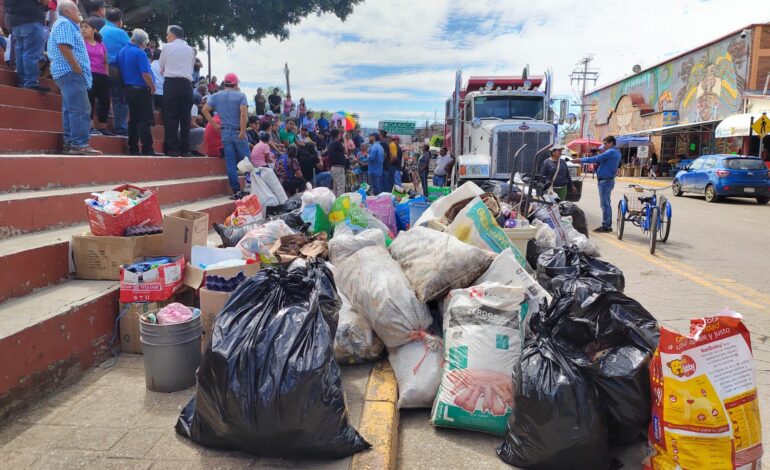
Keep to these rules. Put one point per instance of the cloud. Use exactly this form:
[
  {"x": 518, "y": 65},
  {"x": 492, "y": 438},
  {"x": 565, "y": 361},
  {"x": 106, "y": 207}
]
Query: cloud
[{"x": 397, "y": 58}]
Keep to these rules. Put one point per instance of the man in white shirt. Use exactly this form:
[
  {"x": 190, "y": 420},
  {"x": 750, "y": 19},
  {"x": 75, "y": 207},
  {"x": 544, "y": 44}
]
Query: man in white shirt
[
  {"x": 158, "y": 79},
  {"x": 443, "y": 167},
  {"x": 176, "y": 64}
]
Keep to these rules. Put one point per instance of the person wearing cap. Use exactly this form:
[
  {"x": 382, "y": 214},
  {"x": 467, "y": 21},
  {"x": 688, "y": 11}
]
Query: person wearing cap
[
  {"x": 177, "y": 61},
  {"x": 232, "y": 107},
  {"x": 556, "y": 173},
  {"x": 608, "y": 166},
  {"x": 376, "y": 159}
]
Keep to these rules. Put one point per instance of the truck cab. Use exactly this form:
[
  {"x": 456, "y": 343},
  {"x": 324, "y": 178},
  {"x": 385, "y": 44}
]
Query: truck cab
[{"x": 493, "y": 119}]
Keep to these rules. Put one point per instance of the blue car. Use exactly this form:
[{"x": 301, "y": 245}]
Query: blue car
[{"x": 718, "y": 176}]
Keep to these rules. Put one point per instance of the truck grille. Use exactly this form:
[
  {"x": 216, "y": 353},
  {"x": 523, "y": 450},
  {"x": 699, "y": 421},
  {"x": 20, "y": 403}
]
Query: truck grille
[{"x": 508, "y": 142}]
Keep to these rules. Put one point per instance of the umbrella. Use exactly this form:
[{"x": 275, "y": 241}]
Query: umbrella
[
  {"x": 346, "y": 118},
  {"x": 584, "y": 143}
]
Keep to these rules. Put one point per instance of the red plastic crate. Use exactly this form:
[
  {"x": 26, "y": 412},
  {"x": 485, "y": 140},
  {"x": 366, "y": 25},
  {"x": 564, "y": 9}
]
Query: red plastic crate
[
  {"x": 152, "y": 286},
  {"x": 146, "y": 212}
]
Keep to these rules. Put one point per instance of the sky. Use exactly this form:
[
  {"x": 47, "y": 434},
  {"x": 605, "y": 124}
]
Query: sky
[{"x": 396, "y": 59}]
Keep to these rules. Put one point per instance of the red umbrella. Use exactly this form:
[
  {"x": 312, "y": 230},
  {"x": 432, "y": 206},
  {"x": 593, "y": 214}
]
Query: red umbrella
[{"x": 583, "y": 143}]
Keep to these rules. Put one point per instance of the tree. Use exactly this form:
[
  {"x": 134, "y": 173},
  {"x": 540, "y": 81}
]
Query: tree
[
  {"x": 226, "y": 20},
  {"x": 437, "y": 141}
]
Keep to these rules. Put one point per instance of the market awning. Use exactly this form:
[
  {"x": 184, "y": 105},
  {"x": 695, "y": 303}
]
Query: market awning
[
  {"x": 631, "y": 141},
  {"x": 680, "y": 128},
  {"x": 736, "y": 125}
]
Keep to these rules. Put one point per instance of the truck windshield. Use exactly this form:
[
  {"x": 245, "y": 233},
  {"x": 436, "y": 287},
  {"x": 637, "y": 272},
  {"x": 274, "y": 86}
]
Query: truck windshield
[{"x": 508, "y": 107}]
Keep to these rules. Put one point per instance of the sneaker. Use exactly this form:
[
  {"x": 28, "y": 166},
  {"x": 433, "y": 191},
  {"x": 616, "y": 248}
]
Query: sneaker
[
  {"x": 66, "y": 148},
  {"x": 603, "y": 229},
  {"x": 197, "y": 154},
  {"x": 107, "y": 132},
  {"x": 95, "y": 131},
  {"x": 41, "y": 89},
  {"x": 87, "y": 150},
  {"x": 236, "y": 195}
]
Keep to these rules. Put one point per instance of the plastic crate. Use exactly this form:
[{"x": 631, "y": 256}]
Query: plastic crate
[{"x": 146, "y": 212}]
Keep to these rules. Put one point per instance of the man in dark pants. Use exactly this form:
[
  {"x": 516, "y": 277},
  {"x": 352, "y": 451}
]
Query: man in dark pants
[
  {"x": 115, "y": 39},
  {"x": 176, "y": 64},
  {"x": 139, "y": 88}
]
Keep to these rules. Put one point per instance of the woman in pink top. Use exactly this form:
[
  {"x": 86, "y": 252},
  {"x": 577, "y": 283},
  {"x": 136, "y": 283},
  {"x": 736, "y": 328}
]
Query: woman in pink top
[
  {"x": 350, "y": 146},
  {"x": 260, "y": 154},
  {"x": 99, "y": 94},
  {"x": 287, "y": 106}
]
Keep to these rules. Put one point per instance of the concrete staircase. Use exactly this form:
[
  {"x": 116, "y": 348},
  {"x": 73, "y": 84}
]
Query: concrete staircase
[{"x": 53, "y": 327}]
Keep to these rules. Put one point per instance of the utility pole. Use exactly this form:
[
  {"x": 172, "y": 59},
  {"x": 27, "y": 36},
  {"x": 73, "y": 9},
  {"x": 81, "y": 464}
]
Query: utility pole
[
  {"x": 582, "y": 74},
  {"x": 286, "y": 71},
  {"x": 208, "y": 51}
]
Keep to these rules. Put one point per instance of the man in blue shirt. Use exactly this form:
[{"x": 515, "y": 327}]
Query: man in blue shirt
[
  {"x": 115, "y": 39},
  {"x": 608, "y": 167},
  {"x": 376, "y": 159},
  {"x": 71, "y": 69},
  {"x": 139, "y": 88},
  {"x": 323, "y": 124}
]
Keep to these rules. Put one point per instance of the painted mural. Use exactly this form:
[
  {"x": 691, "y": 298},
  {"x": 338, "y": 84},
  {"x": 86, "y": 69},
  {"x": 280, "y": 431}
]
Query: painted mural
[{"x": 703, "y": 85}]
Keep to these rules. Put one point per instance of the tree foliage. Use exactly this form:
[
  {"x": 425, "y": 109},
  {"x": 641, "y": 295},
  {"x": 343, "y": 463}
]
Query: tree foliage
[
  {"x": 225, "y": 20},
  {"x": 437, "y": 141}
]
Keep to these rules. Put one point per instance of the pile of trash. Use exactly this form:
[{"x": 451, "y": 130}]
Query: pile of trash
[{"x": 117, "y": 202}]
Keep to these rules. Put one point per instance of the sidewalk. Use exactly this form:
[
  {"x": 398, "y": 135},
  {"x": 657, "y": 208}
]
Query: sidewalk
[
  {"x": 649, "y": 182},
  {"x": 108, "y": 419}
]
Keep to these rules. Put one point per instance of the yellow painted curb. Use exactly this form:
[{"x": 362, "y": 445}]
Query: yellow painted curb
[
  {"x": 645, "y": 182},
  {"x": 379, "y": 421}
]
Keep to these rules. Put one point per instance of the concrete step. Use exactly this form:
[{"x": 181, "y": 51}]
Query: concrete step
[
  {"x": 9, "y": 77},
  {"x": 50, "y": 337},
  {"x": 41, "y": 259},
  {"x": 32, "y": 119},
  {"x": 14, "y": 96},
  {"x": 34, "y": 172},
  {"x": 14, "y": 141},
  {"x": 34, "y": 211}
]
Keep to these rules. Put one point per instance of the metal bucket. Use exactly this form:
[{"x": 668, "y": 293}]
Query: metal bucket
[{"x": 172, "y": 354}]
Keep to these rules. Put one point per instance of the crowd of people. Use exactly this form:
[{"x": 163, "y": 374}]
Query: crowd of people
[{"x": 104, "y": 72}]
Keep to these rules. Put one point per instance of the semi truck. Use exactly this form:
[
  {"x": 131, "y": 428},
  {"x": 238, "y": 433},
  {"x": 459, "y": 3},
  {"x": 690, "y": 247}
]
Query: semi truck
[{"x": 497, "y": 126}]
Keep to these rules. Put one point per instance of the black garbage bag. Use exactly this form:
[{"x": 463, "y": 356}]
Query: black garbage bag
[
  {"x": 612, "y": 341},
  {"x": 569, "y": 261},
  {"x": 328, "y": 299},
  {"x": 570, "y": 209},
  {"x": 293, "y": 203},
  {"x": 268, "y": 383},
  {"x": 581, "y": 287},
  {"x": 557, "y": 420}
]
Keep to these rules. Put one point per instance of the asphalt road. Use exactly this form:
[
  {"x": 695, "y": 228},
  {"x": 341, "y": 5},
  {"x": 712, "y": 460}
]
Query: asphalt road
[{"x": 715, "y": 257}]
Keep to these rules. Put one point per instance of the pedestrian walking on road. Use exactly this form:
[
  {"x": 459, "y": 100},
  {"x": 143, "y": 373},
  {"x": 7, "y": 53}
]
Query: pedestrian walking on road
[
  {"x": 139, "y": 90},
  {"x": 176, "y": 64},
  {"x": 608, "y": 165},
  {"x": 71, "y": 69},
  {"x": 232, "y": 107},
  {"x": 654, "y": 166}
]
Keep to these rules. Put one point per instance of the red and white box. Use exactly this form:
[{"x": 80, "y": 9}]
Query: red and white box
[
  {"x": 146, "y": 212},
  {"x": 154, "y": 285}
]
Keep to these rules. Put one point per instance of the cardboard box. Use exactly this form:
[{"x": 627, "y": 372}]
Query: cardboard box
[
  {"x": 146, "y": 212},
  {"x": 100, "y": 258},
  {"x": 184, "y": 229},
  {"x": 130, "y": 313},
  {"x": 153, "y": 285},
  {"x": 196, "y": 277}
]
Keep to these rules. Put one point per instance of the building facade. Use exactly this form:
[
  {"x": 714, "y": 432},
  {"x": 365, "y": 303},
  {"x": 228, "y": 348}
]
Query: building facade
[{"x": 679, "y": 103}]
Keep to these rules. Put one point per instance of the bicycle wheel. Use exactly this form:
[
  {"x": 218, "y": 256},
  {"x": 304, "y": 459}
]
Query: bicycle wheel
[
  {"x": 654, "y": 216},
  {"x": 620, "y": 221},
  {"x": 664, "y": 227}
]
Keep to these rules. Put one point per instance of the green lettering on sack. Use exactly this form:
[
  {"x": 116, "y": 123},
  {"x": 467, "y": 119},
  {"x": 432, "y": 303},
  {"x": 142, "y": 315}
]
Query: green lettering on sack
[
  {"x": 501, "y": 342},
  {"x": 458, "y": 357}
]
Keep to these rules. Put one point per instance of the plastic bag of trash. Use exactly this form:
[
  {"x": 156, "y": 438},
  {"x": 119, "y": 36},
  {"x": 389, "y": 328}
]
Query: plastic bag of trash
[
  {"x": 570, "y": 209},
  {"x": 293, "y": 203},
  {"x": 705, "y": 409},
  {"x": 581, "y": 287},
  {"x": 435, "y": 262},
  {"x": 475, "y": 225},
  {"x": 379, "y": 290},
  {"x": 382, "y": 207},
  {"x": 343, "y": 245},
  {"x": 324, "y": 197},
  {"x": 268, "y": 383},
  {"x": 262, "y": 237},
  {"x": 272, "y": 182},
  {"x": 417, "y": 366},
  {"x": 260, "y": 188},
  {"x": 232, "y": 235},
  {"x": 355, "y": 341},
  {"x": 549, "y": 215},
  {"x": 570, "y": 261},
  {"x": 482, "y": 345},
  {"x": 612, "y": 340}
]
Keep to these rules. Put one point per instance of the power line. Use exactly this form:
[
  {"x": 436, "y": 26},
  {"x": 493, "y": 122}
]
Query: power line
[{"x": 582, "y": 74}]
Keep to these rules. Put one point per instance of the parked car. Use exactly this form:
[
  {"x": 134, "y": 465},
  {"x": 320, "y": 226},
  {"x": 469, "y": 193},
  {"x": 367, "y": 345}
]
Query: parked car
[{"x": 718, "y": 176}]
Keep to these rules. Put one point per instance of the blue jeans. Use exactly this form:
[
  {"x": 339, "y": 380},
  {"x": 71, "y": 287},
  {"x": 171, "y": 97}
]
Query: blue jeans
[
  {"x": 235, "y": 150},
  {"x": 119, "y": 104},
  {"x": 605, "y": 193},
  {"x": 76, "y": 109},
  {"x": 387, "y": 180},
  {"x": 397, "y": 177},
  {"x": 377, "y": 183},
  {"x": 29, "y": 39},
  {"x": 424, "y": 182},
  {"x": 323, "y": 180},
  {"x": 439, "y": 180}
]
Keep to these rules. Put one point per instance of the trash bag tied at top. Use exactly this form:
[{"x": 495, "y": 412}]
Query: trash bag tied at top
[{"x": 268, "y": 383}]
